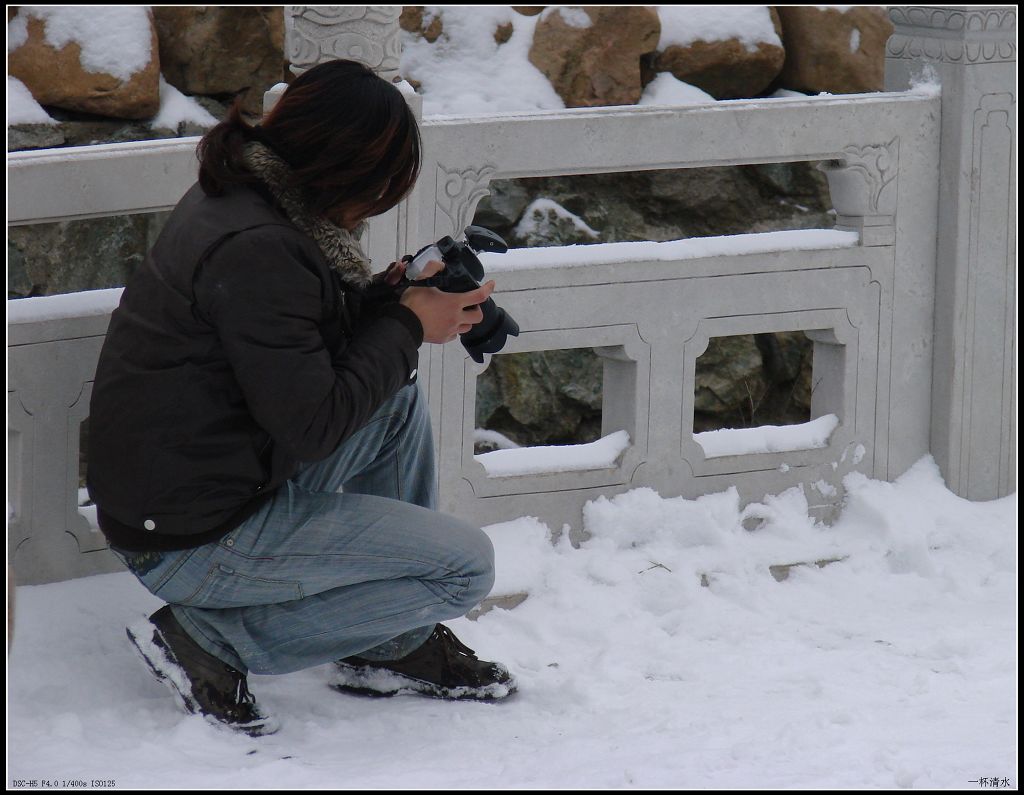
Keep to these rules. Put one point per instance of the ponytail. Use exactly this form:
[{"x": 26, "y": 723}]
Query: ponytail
[{"x": 220, "y": 153}]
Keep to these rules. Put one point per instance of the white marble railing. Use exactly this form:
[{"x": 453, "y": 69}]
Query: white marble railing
[{"x": 909, "y": 301}]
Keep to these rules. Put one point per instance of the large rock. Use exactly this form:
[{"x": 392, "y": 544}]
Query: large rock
[
  {"x": 727, "y": 69},
  {"x": 591, "y": 54},
  {"x": 63, "y": 72},
  {"x": 72, "y": 256},
  {"x": 835, "y": 51},
  {"x": 749, "y": 380},
  {"x": 542, "y": 398},
  {"x": 222, "y": 50},
  {"x": 675, "y": 203}
]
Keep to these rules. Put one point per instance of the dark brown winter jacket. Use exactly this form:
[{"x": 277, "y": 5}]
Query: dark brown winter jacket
[{"x": 236, "y": 352}]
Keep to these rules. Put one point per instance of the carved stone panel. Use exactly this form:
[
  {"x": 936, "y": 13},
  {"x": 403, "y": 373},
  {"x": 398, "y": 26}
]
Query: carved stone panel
[
  {"x": 458, "y": 192},
  {"x": 953, "y": 35},
  {"x": 863, "y": 188},
  {"x": 368, "y": 34}
]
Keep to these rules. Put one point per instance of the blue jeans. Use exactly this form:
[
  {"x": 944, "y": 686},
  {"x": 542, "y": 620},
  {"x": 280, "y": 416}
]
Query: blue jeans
[{"x": 318, "y": 574}]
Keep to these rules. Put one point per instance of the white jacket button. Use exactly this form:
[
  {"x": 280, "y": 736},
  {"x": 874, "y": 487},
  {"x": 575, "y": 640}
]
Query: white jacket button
[{"x": 149, "y": 524}]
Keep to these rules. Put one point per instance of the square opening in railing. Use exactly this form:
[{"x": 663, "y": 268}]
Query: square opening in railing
[
  {"x": 752, "y": 394},
  {"x": 558, "y": 418},
  {"x": 538, "y": 399},
  {"x": 657, "y": 205}
]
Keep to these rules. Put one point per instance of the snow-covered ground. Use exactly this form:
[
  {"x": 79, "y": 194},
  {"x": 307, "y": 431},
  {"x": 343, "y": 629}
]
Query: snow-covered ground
[
  {"x": 667, "y": 651},
  {"x": 895, "y": 667}
]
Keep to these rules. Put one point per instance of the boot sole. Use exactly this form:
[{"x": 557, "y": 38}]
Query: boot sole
[
  {"x": 165, "y": 675},
  {"x": 375, "y": 683}
]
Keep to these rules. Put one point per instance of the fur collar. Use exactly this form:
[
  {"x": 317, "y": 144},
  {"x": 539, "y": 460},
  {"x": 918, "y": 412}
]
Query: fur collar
[{"x": 340, "y": 246}]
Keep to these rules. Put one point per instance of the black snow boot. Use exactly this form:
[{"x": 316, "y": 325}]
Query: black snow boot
[
  {"x": 201, "y": 683},
  {"x": 443, "y": 667}
]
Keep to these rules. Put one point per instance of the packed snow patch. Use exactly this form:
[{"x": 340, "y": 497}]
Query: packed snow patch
[{"x": 660, "y": 653}]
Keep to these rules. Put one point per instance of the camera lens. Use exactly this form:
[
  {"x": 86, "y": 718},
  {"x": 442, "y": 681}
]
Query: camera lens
[{"x": 491, "y": 333}]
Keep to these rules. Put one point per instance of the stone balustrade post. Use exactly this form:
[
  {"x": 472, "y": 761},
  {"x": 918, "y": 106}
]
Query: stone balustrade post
[
  {"x": 371, "y": 36},
  {"x": 368, "y": 34},
  {"x": 971, "y": 52}
]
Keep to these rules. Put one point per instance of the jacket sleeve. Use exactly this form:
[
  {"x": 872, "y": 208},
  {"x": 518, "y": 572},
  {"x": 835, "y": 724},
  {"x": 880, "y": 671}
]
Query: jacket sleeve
[{"x": 262, "y": 293}]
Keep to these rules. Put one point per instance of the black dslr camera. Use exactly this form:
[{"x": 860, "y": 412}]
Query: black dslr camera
[{"x": 462, "y": 273}]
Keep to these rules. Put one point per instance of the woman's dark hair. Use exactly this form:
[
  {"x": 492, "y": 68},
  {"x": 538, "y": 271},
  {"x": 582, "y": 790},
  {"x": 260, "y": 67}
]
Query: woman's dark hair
[{"x": 349, "y": 137}]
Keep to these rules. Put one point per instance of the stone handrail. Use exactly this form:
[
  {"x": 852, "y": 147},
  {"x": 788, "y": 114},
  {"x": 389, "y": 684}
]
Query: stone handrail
[{"x": 909, "y": 301}]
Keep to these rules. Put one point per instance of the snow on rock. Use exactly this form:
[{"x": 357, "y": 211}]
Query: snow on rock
[
  {"x": 22, "y": 107},
  {"x": 535, "y": 226},
  {"x": 683, "y": 25},
  {"x": 494, "y": 439},
  {"x": 114, "y": 40},
  {"x": 176, "y": 108},
  {"x": 573, "y": 16},
  {"x": 466, "y": 72},
  {"x": 96, "y": 59}
]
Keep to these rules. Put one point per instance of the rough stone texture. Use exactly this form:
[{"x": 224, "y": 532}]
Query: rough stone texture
[
  {"x": 754, "y": 379},
  {"x": 673, "y": 203},
  {"x": 598, "y": 64},
  {"x": 503, "y": 32},
  {"x": 84, "y": 129},
  {"x": 820, "y": 55},
  {"x": 222, "y": 50},
  {"x": 34, "y": 136},
  {"x": 725, "y": 69},
  {"x": 549, "y": 397},
  {"x": 71, "y": 256},
  {"x": 56, "y": 78}
]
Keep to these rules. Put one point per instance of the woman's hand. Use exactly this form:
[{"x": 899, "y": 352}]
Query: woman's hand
[{"x": 445, "y": 316}]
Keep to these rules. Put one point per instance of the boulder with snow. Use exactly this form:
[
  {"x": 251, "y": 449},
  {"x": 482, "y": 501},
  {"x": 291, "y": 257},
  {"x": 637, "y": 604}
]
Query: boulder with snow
[
  {"x": 101, "y": 60},
  {"x": 416, "y": 19},
  {"x": 591, "y": 54},
  {"x": 729, "y": 52},
  {"x": 222, "y": 50},
  {"x": 545, "y": 222},
  {"x": 829, "y": 49}
]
